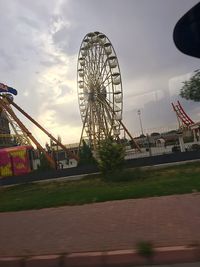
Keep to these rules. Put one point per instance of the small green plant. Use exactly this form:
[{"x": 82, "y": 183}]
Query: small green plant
[
  {"x": 146, "y": 250},
  {"x": 111, "y": 156}
]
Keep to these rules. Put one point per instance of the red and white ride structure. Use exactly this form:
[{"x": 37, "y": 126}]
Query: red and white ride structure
[{"x": 185, "y": 122}]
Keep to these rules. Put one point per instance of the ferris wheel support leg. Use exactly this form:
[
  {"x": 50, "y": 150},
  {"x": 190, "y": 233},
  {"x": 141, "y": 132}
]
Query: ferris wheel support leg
[
  {"x": 79, "y": 146},
  {"x": 82, "y": 130},
  {"x": 126, "y": 130}
]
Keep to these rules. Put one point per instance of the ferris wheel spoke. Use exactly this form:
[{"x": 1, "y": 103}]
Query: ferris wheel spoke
[
  {"x": 90, "y": 122},
  {"x": 84, "y": 102},
  {"x": 86, "y": 85},
  {"x": 113, "y": 109},
  {"x": 100, "y": 57},
  {"x": 85, "y": 60},
  {"x": 89, "y": 61},
  {"x": 98, "y": 69},
  {"x": 105, "y": 122},
  {"x": 87, "y": 76},
  {"x": 103, "y": 60},
  {"x": 110, "y": 104},
  {"x": 107, "y": 77},
  {"x": 105, "y": 65},
  {"x": 110, "y": 118},
  {"x": 93, "y": 60},
  {"x": 98, "y": 121},
  {"x": 89, "y": 72},
  {"x": 109, "y": 82},
  {"x": 94, "y": 55},
  {"x": 87, "y": 67},
  {"x": 103, "y": 68},
  {"x": 94, "y": 128},
  {"x": 104, "y": 105}
]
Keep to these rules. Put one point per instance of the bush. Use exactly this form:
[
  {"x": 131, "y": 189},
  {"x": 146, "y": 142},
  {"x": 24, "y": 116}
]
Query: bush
[
  {"x": 111, "y": 156},
  {"x": 85, "y": 155},
  {"x": 44, "y": 164},
  {"x": 145, "y": 249}
]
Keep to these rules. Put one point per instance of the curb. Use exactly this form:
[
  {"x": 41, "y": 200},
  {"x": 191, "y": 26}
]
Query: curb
[{"x": 125, "y": 258}]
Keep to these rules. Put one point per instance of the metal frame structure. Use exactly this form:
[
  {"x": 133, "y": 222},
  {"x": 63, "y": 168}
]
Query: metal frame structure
[
  {"x": 5, "y": 104},
  {"x": 100, "y": 93},
  {"x": 20, "y": 137},
  {"x": 183, "y": 119},
  {"x": 185, "y": 122}
]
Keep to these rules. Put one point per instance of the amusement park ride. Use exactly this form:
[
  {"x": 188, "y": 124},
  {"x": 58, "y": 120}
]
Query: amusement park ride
[
  {"x": 23, "y": 135},
  {"x": 100, "y": 91},
  {"x": 185, "y": 122}
]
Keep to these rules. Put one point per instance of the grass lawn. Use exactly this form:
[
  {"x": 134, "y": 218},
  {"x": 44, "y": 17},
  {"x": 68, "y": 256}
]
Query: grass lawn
[{"x": 168, "y": 181}]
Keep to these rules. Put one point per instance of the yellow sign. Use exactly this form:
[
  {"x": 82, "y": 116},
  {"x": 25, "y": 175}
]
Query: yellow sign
[
  {"x": 6, "y": 170},
  {"x": 20, "y": 153}
]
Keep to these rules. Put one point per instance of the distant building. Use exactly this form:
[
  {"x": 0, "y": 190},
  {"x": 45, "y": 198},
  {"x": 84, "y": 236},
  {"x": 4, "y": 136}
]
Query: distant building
[
  {"x": 61, "y": 156},
  {"x": 72, "y": 148}
]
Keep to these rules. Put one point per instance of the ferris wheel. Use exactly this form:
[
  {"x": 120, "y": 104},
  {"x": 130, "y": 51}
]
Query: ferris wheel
[{"x": 99, "y": 89}]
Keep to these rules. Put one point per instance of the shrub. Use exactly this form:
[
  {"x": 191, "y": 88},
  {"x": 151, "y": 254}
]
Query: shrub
[
  {"x": 110, "y": 156},
  {"x": 85, "y": 155},
  {"x": 44, "y": 163},
  {"x": 145, "y": 249}
]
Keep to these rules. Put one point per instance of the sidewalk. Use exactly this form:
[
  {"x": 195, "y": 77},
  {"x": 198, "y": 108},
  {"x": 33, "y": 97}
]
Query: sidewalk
[{"x": 109, "y": 226}]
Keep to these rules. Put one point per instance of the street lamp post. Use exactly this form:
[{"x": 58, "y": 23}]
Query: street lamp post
[{"x": 139, "y": 115}]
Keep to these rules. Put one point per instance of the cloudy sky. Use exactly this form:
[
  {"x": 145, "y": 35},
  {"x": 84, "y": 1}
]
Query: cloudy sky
[{"x": 40, "y": 41}]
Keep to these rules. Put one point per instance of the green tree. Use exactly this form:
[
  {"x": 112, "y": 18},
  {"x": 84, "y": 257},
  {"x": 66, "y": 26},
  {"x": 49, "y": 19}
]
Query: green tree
[
  {"x": 191, "y": 88},
  {"x": 111, "y": 156},
  {"x": 85, "y": 155},
  {"x": 44, "y": 164}
]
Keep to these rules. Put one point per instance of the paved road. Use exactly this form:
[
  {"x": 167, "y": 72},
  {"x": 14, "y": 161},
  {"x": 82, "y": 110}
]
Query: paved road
[{"x": 166, "y": 221}]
